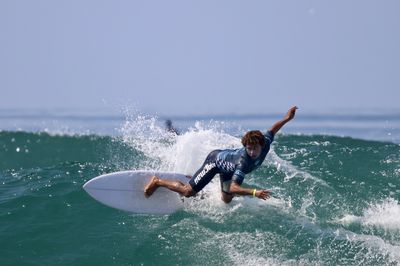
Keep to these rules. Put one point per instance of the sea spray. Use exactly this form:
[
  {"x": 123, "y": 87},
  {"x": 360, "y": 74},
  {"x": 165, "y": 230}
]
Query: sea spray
[{"x": 176, "y": 153}]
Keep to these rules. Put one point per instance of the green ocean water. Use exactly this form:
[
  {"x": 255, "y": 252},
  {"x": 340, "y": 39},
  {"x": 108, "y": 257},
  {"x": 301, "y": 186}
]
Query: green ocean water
[{"x": 336, "y": 202}]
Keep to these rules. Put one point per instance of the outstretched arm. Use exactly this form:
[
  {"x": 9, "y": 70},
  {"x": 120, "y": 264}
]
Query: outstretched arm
[
  {"x": 279, "y": 124},
  {"x": 235, "y": 188}
]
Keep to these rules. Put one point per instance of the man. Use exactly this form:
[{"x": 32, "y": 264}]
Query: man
[
  {"x": 170, "y": 128},
  {"x": 231, "y": 165}
]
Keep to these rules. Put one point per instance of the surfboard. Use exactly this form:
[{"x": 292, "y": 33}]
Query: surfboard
[{"x": 124, "y": 191}]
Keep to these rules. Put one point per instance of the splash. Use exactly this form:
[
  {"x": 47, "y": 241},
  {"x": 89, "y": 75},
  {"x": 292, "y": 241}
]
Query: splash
[
  {"x": 174, "y": 153},
  {"x": 384, "y": 215},
  {"x": 291, "y": 171}
]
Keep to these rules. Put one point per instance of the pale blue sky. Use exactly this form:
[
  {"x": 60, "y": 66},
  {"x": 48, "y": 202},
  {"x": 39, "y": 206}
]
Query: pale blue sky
[{"x": 196, "y": 57}]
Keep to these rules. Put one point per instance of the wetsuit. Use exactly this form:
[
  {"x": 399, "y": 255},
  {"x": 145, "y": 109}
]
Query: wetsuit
[{"x": 230, "y": 164}]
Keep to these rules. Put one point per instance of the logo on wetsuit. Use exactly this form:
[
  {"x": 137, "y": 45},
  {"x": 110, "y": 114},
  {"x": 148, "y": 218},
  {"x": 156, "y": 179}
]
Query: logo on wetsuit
[
  {"x": 207, "y": 168},
  {"x": 226, "y": 166}
]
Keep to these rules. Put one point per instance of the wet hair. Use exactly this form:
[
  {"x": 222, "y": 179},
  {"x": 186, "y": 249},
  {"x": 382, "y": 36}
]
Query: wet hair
[{"x": 253, "y": 137}]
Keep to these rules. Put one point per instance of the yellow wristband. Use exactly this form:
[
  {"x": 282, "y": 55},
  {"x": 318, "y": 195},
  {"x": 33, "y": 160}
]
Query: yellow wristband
[{"x": 254, "y": 192}]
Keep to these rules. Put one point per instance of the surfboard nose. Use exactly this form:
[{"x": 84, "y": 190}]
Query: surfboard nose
[{"x": 125, "y": 191}]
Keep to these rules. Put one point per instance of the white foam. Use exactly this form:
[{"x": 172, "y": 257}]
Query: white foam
[
  {"x": 384, "y": 214},
  {"x": 291, "y": 171},
  {"x": 191, "y": 148},
  {"x": 246, "y": 248},
  {"x": 176, "y": 153},
  {"x": 372, "y": 243}
]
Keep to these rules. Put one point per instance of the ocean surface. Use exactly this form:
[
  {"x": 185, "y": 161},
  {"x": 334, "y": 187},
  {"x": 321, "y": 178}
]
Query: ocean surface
[{"x": 335, "y": 177}]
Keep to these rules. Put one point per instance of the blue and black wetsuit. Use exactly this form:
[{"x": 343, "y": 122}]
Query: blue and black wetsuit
[{"x": 230, "y": 164}]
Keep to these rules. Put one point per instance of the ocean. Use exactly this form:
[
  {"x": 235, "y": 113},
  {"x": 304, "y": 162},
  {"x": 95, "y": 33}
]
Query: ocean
[{"x": 335, "y": 178}]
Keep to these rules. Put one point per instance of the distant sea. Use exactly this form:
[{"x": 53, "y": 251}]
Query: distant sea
[{"x": 335, "y": 177}]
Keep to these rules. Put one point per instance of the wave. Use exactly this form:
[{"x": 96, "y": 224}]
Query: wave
[{"x": 335, "y": 198}]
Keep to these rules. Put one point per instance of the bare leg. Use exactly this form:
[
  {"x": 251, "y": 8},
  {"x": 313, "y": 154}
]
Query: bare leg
[
  {"x": 225, "y": 186},
  {"x": 227, "y": 198},
  {"x": 177, "y": 186}
]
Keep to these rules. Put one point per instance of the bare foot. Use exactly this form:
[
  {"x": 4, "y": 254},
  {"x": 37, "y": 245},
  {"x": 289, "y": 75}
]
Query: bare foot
[{"x": 151, "y": 187}]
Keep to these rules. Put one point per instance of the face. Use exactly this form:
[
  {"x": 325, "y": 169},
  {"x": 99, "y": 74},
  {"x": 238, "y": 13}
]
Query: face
[{"x": 253, "y": 150}]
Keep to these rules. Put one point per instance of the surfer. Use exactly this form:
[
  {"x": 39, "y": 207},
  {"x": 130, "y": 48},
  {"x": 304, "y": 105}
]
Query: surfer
[
  {"x": 170, "y": 128},
  {"x": 230, "y": 164}
]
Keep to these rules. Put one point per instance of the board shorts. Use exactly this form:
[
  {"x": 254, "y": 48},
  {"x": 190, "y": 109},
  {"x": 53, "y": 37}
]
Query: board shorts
[{"x": 206, "y": 173}]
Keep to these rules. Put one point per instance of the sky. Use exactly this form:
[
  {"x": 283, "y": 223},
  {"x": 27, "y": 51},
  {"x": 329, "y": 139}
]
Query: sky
[{"x": 200, "y": 57}]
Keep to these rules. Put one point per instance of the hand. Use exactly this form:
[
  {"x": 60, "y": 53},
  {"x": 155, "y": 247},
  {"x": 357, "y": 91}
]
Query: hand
[
  {"x": 263, "y": 194},
  {"x": 290, "y": 114},
  {"x": 279, "y": 124}
]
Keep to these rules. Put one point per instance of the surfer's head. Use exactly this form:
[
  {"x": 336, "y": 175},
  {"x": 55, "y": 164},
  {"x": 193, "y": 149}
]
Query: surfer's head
[
  {"x": 253, "y": 141},
  {"x": 253, "y": 137}
]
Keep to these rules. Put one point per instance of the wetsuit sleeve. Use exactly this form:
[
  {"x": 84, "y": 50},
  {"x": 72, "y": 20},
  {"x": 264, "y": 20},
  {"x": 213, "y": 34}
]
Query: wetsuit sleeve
[
  {"x": 269, "y": 137},
  {"x": 238, "y": 176}
]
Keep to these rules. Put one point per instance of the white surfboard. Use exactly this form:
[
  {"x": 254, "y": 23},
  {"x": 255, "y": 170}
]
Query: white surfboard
[{"x": 124, "y": 191}]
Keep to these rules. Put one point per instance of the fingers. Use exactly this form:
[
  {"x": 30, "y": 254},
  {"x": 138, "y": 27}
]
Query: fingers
[
  {"x": 265, "y": 194},
  {"x": 292, "y": 111}
]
